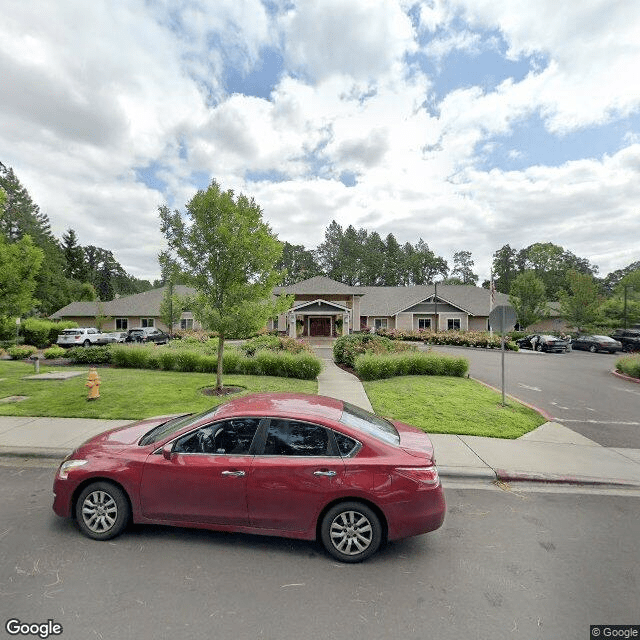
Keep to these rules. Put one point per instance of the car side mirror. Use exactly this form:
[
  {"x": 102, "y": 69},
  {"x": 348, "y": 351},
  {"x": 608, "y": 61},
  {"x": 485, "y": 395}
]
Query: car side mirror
[{"x": 167, "y": 451}]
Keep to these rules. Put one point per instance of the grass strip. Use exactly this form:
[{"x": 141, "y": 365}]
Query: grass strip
[
  {"x": 126, "y": 393},
  {"x": 460, "y": 406}
]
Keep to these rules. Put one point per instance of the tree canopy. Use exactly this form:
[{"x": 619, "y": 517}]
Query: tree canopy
[
  {"x": 528, "y": 297},
  {"x": 228, "y": 254}
]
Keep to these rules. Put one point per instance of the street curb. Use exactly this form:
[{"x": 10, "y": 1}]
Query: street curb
[
  {"x": 466, "y": 473},
  {"x": 35, "y": 452},
  {"x": 624, "y": 376},
  {"x": 542, "y": 478}
]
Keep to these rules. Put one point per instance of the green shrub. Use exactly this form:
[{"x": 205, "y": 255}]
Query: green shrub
[
  {"x": 167, "y": 359},
  {"x": 187, "y": 361},
  {"x": 629, "y": 365},
  {"x": 43, "y": 333},
  {"x": 347, "y": 348},
  {"x": 130, "y": 356},
  {"x": 209, "y": 364},
  {"x": 54, "y": 352},
  {"x": 371, "y": 366},
  {"x": 275, "y": 343},
  {"x": 21, "y": 351},
  {"x": 90, "y": 355}
]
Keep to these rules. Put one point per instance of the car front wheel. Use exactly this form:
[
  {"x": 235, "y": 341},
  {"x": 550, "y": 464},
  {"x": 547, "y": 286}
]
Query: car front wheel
[
  {"x": 351, "y": 532},
  {"x": 592, "y": 348},
  {"x": 102, "y": 511},
  {"x": 539, "y": 347}
]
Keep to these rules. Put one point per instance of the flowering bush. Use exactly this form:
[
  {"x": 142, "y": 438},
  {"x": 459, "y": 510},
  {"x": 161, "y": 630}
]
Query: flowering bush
[{"x": 481, "y": 339}]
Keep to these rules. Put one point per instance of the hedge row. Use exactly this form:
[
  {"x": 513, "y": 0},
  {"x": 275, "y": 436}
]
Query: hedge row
[
  {"x": 629, "y": 365},
  {"x": 481, "y": 339},
  {"x": 347, "y": 348},
  {"x": 275, "y": 343},
  {"x": 371, "y": 366},
  {"x": 43, "y": 333},
  {"x": 304, "y": 366}
]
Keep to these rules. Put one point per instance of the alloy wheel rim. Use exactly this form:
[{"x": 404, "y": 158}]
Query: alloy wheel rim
[
  {"x": 351, "y": 533},
  {"x": 99, "y": 511}
]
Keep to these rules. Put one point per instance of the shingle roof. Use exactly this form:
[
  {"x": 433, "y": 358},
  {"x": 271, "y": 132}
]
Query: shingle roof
[
  {"x": 318, "y": 285},
  {"x": 139, "y": 304}
]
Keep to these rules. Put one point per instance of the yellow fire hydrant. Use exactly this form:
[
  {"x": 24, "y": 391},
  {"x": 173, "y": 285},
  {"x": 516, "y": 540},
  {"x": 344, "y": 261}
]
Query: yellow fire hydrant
[{"x": 93, "y": 382}]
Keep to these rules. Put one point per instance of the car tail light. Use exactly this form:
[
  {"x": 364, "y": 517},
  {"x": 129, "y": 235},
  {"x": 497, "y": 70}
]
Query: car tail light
[{"x": 425, "y": 475}]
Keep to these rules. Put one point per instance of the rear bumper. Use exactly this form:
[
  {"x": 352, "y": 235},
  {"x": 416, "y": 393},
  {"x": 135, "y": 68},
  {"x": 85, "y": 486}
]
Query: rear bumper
[{"x": 415, "y": 517}]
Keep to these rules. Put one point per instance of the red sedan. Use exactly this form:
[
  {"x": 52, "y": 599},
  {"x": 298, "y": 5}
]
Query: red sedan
[{"x": 291, "y": 465}]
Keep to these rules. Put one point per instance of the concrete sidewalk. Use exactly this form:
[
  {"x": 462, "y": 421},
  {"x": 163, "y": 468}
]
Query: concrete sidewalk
[{"x": 551, "y": 453}]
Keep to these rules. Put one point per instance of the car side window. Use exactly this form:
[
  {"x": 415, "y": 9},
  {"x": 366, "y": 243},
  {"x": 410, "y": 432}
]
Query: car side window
[
  {"x": 229, "y": 437},
  {"x": 346, "y": 446},
  {"x": 293, "y": 438}
]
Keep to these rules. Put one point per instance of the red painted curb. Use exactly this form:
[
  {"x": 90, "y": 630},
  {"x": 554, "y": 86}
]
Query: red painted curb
[
  {"x": 624, "y": 376},
  {"x": 511, "y": 476}
]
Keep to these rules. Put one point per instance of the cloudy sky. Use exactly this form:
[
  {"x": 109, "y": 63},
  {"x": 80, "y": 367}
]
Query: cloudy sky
[{"x": 469, "y": 123}]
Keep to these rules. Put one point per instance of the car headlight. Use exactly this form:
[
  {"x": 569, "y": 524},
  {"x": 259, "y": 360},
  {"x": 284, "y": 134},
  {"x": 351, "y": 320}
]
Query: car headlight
[{"x": 67, "y": 465}]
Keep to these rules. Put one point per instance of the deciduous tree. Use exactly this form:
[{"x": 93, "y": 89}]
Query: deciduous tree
[
  {"x": 228, "y": 254},
  {"x": 528, "y": 297}
]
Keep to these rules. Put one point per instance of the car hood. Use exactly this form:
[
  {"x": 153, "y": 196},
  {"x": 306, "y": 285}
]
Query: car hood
[
  {"x": 128, "y": 434},
  {"x": 415, "y": 442}
]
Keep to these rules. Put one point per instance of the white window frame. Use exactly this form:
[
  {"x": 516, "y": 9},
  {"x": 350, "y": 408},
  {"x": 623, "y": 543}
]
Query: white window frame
[
  {"x": 147, "y": 323},
  {"x": 184, "y": 324},
  {"x": 424, "y": 320},
  {"x": 124, "y": 324},
  {"x": 451, "y": 324},
  {"x": 380, "y": 323}
]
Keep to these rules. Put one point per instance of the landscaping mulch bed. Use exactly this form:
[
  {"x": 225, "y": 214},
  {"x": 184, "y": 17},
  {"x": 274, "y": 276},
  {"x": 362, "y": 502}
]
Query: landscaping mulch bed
[{"x": 225, "y": 391}]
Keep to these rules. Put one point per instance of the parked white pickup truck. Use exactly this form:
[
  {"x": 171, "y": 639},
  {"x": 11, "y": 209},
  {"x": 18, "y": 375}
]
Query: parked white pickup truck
[{"x": 87, "y": 336}]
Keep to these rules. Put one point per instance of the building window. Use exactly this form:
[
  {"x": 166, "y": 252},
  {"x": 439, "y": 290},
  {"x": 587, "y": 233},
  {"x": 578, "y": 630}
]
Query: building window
[
  {"x": 424, "y": 323},
  {"x": 186, "y": 323},
  {"x": 380, "y": 323},
  {"x": 122, "y": 324},
  {"x": 146, "y": 322},
  {"x": 453, "y": 324}
]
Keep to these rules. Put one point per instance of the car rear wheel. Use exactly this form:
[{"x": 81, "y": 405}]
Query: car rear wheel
[
  {"x": 86, "y": 343},
  {"x": 539, "y": 347},
  {"x": 351, "y": 532},
  {"x": 593, "y": 348},
  {"x": 102, "y": 511}
]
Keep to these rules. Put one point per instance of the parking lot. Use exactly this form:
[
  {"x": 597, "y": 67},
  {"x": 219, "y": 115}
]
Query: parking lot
[{"x": 577, "y": 389}]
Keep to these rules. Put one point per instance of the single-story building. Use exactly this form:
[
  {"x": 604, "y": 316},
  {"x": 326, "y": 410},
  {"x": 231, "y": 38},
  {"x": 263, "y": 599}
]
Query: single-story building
[
  {"x": 127, "y": 312},
  {"x": 324, "y": 307}
]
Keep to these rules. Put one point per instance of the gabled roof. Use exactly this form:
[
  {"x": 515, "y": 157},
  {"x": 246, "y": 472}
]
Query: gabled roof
[
  {"x": 138, "y": 304},
  {"x": 318, "y": 285},
  {"x": 319, "y": 303}
]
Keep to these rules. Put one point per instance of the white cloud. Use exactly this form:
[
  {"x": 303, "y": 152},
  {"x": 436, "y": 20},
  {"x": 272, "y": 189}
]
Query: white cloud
[{"x": 364, "y": 39}]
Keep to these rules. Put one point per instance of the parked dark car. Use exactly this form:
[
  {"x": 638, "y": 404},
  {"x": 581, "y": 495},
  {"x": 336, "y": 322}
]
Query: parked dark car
[
  {"x": 629, "y": 338},
  {"x": 147, "y": 334},
  {"x": 543, "y": 342},
  {"x": 596, "y": 343},
  {"x": 290, "y": 465}
]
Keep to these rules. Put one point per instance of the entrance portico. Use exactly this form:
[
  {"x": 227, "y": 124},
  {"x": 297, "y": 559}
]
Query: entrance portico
[{"x": 318, "y": 318}]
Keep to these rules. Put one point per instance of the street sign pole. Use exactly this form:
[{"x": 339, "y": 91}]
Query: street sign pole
[
  {"x": 503, "y": 318},
  {"x": 502, "y": 345}
]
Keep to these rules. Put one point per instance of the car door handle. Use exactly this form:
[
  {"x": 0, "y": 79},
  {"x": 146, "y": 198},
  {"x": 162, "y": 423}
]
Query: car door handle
[
  {"x": 233, "y": 473},
  {"x": 324, "y": 473}
]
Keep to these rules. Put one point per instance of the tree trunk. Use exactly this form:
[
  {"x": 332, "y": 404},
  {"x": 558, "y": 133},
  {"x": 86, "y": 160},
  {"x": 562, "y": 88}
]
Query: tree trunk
[{"x": 220, "y": 352}]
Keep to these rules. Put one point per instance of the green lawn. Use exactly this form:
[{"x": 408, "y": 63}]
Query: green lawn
[
  {"x": 125, "y": 393},
  {"x": 450, "y": 405}
]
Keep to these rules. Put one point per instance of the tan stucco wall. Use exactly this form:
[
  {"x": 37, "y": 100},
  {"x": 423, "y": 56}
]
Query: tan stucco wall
[{"x": 478, "y": 323}]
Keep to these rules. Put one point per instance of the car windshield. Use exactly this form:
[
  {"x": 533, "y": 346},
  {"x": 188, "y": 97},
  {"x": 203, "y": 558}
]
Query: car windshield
[
  {"x": 172, "y": 426},
  {"x": 362, "y": 420}
]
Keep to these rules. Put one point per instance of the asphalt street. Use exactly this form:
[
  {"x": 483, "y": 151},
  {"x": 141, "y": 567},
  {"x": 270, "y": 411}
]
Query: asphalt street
[
  {"x": 577, "y": 389},
  {"x": 506, "y": 564}
]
